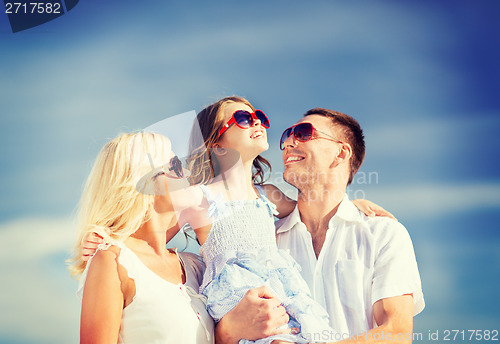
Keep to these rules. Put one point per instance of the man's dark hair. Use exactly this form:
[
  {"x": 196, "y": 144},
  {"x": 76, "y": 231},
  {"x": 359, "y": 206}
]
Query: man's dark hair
[{"x": 351, "y": 132}]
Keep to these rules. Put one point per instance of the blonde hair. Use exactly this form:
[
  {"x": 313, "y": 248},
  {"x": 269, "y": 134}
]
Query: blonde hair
[
  {"x": 110, "y": 204},
  {"x": 210, "y": 120}
]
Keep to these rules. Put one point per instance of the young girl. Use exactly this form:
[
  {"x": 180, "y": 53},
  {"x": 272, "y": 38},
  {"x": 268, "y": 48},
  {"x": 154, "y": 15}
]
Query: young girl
[
  {"x": 134, "y": 289},
  {"x": 238, "y": 245}
]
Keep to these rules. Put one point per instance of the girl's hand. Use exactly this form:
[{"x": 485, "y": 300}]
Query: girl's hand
[
  {"x": 372, "y": 209},
  {"x": 89, "y": 245}
]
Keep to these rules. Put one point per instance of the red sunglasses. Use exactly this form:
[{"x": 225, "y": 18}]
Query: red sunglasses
[
  {"x": 302, "y": 132},
  {"x": 245, "y": 120}
]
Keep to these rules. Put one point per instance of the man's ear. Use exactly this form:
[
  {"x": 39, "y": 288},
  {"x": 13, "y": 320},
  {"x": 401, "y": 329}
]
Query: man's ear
[{"x": 344, "y": 153}]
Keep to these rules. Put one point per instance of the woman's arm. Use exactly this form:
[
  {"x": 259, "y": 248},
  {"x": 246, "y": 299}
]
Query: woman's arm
[{"x": 102, "y": 301}]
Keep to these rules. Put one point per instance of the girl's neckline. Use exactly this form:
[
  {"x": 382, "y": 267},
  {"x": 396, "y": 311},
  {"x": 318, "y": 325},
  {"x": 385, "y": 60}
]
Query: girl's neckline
[{"x": 217, "y": 195}]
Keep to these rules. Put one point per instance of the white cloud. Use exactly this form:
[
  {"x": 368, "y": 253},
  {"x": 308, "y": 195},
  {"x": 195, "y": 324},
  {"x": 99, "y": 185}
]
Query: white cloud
[
  {"x": 431, "y": 200},
  {"x": 27, "y": 240},
  {"x": 100, "y": 75},
  {"x": 38, "y": 299},
  {"x": 436, "y": 137},
  {"x": 110, "y": 83}
]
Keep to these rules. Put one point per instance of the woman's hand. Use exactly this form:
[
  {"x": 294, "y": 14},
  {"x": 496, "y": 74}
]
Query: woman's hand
[
  {"x": 89, "y": 245},
  {"x": 372, "y": 209}
]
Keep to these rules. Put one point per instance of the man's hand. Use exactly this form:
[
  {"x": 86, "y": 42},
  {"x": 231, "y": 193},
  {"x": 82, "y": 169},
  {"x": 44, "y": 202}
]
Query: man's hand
[
  {"x": 89, "y": 245},
  {"x": 257, "y": 315}
]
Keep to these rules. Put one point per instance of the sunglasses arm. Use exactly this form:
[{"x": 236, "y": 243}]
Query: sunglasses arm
[{"x": 226, "y": 126}]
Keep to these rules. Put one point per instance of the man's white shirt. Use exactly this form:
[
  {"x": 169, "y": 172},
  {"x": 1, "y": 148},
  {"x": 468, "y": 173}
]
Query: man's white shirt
[{"x": 363, "y": 259}]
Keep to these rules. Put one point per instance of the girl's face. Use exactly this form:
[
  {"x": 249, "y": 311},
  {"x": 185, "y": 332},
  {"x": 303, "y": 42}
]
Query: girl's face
[{"x": 248, "y": 142}]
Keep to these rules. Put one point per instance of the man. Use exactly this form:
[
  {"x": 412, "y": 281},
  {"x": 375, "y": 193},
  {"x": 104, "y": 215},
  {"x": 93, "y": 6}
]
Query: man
[{"x": 361, "y": 269}]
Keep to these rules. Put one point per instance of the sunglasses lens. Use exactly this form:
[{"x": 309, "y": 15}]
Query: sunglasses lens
[
  {"x": 303, "y": 132},
  {"x": 243, "y": 119},
  {"x": 263, "y": 118},
  {"x": 177, "y": 166},
  {"x": 284, "y": 136}
]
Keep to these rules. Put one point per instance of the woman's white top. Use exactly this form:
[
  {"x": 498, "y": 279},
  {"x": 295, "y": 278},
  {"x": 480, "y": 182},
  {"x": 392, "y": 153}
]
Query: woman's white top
[{"x": 162, "y": 312}]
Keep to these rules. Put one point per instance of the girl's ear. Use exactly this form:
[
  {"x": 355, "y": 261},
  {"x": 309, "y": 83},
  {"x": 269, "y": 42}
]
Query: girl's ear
[{"x": 218, "y": 150}]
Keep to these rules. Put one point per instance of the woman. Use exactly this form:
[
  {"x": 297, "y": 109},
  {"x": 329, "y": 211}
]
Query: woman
[{"x": 134, "y": 290}]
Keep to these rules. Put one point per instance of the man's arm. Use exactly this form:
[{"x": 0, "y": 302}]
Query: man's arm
[
  {"x": 257, "y": 315},
  {"x": 396, "y": 287},
  {"x": 394, "y": 315}
]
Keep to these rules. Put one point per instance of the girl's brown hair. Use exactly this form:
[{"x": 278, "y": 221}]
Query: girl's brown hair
[{"x": 210, "y": 120}]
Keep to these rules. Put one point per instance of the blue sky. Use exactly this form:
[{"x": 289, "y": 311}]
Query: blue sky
[{"x": 421, "y": 77}]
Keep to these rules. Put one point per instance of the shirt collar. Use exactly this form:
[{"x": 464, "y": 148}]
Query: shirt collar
[
  {"x": 288, "y": 222},
  {"x": 347, "y": 211}
]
